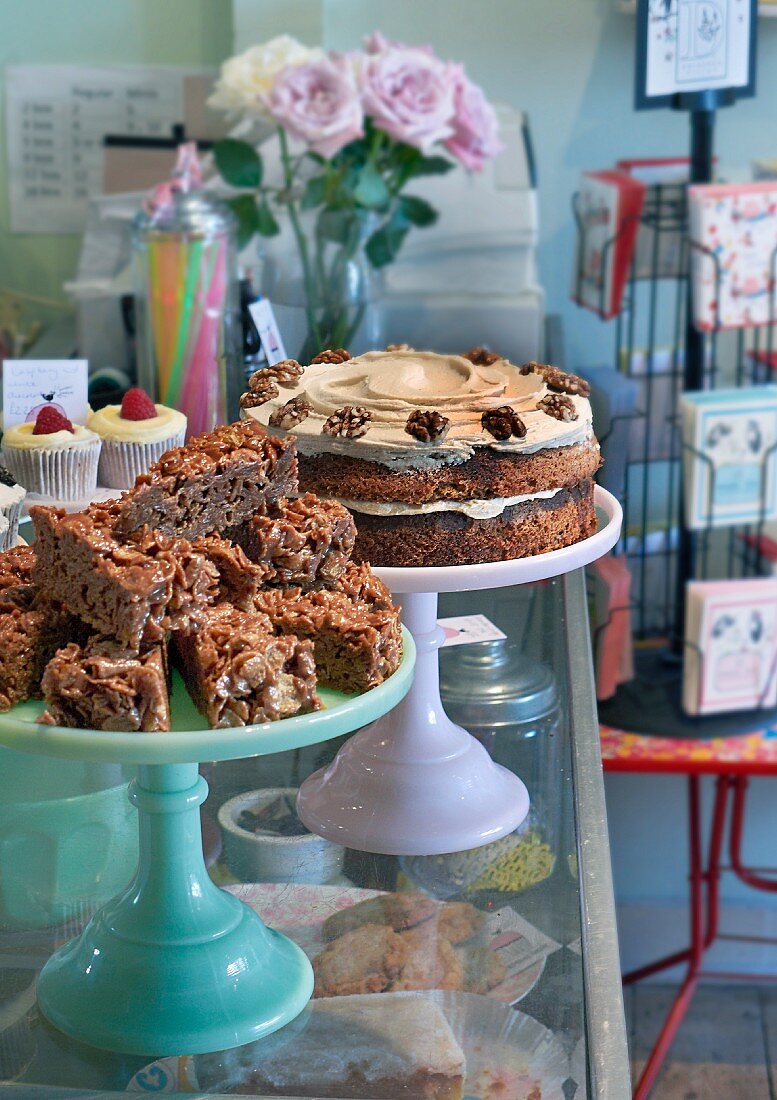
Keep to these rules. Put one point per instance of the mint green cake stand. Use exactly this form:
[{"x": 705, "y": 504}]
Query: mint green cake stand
[{"x": 173, "y": 964}]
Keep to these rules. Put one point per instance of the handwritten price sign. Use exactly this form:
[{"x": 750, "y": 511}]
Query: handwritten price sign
[{"x": 29, "y": 384}]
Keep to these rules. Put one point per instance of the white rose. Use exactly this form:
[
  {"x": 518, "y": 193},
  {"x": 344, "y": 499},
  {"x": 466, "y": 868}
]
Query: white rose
[{"x": 248, "y": 76}]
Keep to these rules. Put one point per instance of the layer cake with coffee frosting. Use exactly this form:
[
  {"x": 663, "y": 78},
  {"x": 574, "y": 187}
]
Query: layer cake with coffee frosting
[{"x": 442, "y": 459}]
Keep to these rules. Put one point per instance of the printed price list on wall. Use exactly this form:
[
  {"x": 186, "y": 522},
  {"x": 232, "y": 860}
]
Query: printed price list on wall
[{"x": 56, "y": 119}]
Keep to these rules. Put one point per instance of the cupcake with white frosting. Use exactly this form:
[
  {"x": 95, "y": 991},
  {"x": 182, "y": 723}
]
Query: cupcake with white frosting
[
  {"x": 53, "y": 457},
  {"x": 11, "y": 499},
  {"x": 134, "y": 434}
]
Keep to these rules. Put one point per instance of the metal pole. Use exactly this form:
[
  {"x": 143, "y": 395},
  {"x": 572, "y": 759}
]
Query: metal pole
[{"x": 702, "y": 132}]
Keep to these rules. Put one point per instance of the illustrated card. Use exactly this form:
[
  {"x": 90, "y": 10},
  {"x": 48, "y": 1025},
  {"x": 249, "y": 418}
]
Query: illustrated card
[
  {"x": 609, "y": 205},
  {"x": 729, "y": 455},
  {"x": 731, "y": 645},
  {"x": 733, "y": 228},
  {"x": 263, "y": 316},
  {"x": 29, "y": 384},
  {"x": 691, "y": 46}
]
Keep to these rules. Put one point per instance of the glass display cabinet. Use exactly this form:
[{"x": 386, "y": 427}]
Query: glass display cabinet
[{"x": 519, "y": 993}]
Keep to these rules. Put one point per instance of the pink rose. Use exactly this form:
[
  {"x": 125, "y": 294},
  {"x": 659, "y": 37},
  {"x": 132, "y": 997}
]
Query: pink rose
[
  {"x": 409, "y": 93},
  {"x": 318, "y": 103},
  {"x": 377, "y": 42},
  {"x": 475, "y": 127}
]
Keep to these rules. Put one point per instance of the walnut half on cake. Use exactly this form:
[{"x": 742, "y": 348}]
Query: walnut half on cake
[{"x": 456, "y": 459}]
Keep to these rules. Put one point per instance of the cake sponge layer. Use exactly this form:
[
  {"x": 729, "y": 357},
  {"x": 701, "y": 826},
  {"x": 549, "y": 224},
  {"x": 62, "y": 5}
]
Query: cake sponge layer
[{"x": 450, "y": 538}]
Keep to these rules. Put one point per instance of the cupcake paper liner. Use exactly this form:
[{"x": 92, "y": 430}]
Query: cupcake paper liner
[
  {"x": 68, "y": 473},
  {"x": 120, "y": 463}
]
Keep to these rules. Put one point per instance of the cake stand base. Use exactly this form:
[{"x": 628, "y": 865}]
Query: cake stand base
[
  {"x": 173, "y": 965},
  {"x": 414, "y": 783},
  {"x": 444, "y": 797}
]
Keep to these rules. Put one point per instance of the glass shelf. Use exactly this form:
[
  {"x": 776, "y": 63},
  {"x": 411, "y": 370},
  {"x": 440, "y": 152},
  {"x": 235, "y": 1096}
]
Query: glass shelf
[{"x": 555, "y": 1016}]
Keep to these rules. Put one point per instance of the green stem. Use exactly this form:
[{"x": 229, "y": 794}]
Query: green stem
[
  {"x": 336, "y": 316},
  {"x": 320, "y": 266},
  {"x": 302, "y": 244},
  {"x": 377, "y": 142},
  {"x": 358, "y": 317}
]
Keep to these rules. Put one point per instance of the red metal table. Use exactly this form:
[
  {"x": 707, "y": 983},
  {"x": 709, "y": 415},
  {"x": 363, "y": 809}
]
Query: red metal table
[{"x": 733, "y": 760}]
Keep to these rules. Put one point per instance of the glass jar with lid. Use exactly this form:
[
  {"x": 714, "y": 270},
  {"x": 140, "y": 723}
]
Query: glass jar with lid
[
  {"x": 510, "y": 702},
  {"x": 187, "y": 300}
]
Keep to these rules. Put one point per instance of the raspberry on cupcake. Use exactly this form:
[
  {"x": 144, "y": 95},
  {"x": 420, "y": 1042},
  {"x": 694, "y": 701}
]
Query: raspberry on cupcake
[
  {"x": 134, "y": 434},
  {"x": 53, "y": 457}
]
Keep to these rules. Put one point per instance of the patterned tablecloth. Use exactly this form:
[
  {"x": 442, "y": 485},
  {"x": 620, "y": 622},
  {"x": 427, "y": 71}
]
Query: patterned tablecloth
[{"x": 746, "y": 754}]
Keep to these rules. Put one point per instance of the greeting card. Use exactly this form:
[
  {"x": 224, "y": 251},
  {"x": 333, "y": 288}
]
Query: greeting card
[
  {"x": 763, "y": 356},
  {"x": 692, "y": 46},
  {"x": 664, "y": 170},
  {"x": 609, "y": 208},
  {"x": 765, "y": 169},
  {"x": 733, "y": 228},
  {"x": 731, "y": 645},
  {"x": 612, "y": 624},
  {"x": 765, "y": 546},
  {"x": 660, "y": 251},
  {"x": 729, "y": 456}
]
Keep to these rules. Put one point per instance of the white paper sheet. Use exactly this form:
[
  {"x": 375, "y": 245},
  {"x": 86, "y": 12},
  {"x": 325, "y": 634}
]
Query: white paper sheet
[
  {"x": 56, "y": 119},
  {"x": 465, "y": 629},
  {"x": 29, "y": 384},
  {"x": 263, "y": 316}
]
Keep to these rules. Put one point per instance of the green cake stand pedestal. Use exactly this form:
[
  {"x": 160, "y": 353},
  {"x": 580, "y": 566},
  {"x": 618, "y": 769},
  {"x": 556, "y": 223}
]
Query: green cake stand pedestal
[{"x": 173, "y": 964}]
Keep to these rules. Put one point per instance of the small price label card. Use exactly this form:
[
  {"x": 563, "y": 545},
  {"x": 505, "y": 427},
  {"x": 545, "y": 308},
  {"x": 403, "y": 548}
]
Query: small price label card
[
  {"x": 29, "y": 384},
  {"x": 263, "y": 316},
  {"x": 465, "y": 629}
]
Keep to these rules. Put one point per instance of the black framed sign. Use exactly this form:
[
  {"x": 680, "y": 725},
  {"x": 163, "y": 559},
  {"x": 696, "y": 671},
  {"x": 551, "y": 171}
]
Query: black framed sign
[{"x": 687, "y": 49}]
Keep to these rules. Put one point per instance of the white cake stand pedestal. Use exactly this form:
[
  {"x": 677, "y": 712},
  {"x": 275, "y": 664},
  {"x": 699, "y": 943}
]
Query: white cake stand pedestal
[{"x": 414, "y": 783}]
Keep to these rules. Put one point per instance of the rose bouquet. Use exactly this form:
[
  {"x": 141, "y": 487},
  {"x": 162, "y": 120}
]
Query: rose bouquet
[{"x": 355, "y": 130}]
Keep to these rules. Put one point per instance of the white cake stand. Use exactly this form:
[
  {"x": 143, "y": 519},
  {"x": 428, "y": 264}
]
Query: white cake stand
[{"x": 414, "y": 783}]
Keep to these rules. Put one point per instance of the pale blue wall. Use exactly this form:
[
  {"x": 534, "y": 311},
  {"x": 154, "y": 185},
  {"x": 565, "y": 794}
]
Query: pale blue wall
[
  {"x": 191, "y": 33},
  {"x": 569, "y": 63}
]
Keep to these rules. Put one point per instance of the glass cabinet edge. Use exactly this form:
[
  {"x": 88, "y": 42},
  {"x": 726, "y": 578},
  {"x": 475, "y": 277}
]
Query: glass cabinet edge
[{"x": 605, "y": 1025}]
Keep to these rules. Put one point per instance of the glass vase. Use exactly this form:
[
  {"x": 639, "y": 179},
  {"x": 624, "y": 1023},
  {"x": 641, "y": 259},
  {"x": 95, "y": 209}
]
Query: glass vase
[{"x": 325, "y": 293}]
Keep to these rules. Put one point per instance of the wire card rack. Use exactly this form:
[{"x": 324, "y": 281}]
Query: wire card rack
[{"x": 643, "y": 450}]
